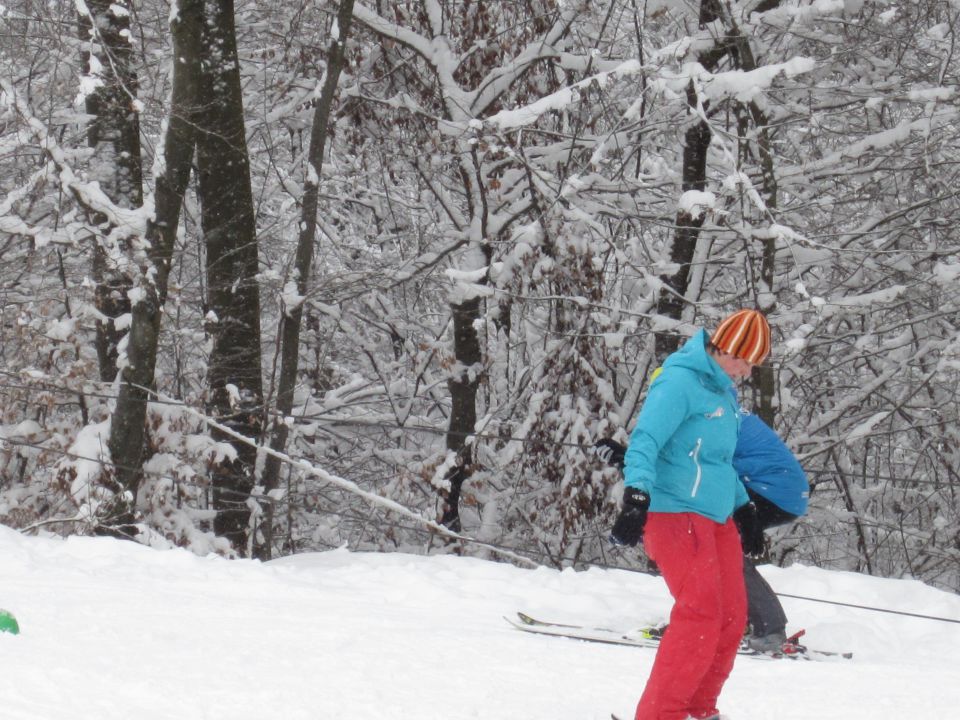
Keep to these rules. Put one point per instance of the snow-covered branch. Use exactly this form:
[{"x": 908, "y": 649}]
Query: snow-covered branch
[{"x": 123, "y": 222}]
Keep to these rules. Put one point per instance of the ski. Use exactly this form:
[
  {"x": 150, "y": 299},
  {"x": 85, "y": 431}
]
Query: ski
[
  {"x": 597, "y": 635},
  {"x": 650, "y": 633},
  {"x": 641, "y": 637},
  {"x": 650, "y": 638}
]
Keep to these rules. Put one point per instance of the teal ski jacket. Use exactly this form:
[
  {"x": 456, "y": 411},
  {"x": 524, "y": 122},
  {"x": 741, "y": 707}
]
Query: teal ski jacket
[{"x": 681, "y": 449}]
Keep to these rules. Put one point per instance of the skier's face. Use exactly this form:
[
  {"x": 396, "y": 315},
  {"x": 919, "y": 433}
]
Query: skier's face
[{"x": 733, "y": 366}]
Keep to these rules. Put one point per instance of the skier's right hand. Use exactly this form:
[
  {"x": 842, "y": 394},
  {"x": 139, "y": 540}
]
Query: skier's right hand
[
  {"x": 610, "y": 451},
  {"x": 628, "y": 528}
]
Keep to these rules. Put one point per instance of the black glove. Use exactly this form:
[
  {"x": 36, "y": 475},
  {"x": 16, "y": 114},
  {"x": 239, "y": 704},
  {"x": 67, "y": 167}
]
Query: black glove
[
  {"x": 610, "y": 451},
  {"x": 751, "y": 531},
  {"x": 628, "y": 529}
]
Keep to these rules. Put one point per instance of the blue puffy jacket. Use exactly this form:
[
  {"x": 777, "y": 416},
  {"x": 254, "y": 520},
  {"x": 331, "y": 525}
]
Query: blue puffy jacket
[
  {"x": 768, "y": 467},
  {"x": 681, "y": 449}
]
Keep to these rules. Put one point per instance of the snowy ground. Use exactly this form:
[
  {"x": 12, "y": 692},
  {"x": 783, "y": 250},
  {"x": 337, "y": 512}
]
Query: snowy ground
[{"x": 112, "y": 630}]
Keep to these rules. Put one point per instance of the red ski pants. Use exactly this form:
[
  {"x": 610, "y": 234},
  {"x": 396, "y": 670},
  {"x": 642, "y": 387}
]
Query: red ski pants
[{"x": 702, "y": 563}]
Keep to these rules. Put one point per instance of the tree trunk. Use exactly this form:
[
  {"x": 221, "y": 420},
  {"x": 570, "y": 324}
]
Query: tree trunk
[
  {"x": 114, "y": 135},
  {"x": 127, "y": 426},
  {"x": 696, "y": 146},
  {"x": 673, "y": 300},
  {"x": 764, "y": 376},
  {"x": 463, "y": 383},
  {"x": 232, "y": 263},
  {"x": 292, "y": 317}
]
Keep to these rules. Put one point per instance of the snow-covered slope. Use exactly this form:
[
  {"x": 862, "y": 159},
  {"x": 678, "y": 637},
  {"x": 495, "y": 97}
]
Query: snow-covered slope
[{"x": 116, "y": 631}]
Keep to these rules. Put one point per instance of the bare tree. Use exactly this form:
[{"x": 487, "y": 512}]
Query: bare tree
[
  {"x": 228, "y": 220},
  {"x": 292, "y": 316},
  {"x": 114, "y": 134},
  {"x": 137, "y": 377}
]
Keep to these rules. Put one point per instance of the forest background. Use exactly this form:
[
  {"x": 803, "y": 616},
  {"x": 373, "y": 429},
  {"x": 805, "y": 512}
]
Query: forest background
[{"x": 285, "y": 276}]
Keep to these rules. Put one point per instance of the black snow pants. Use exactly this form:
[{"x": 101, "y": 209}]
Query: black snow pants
[{"x": 764, "y": 611}]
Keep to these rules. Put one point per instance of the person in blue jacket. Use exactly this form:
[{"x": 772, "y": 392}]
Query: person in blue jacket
[
  {"x": 779, "y": 490},
  {"x": 681, "y": 494}
]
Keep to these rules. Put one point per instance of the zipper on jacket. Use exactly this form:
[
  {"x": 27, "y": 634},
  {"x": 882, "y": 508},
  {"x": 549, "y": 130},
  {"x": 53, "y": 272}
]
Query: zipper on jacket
[{"x": 695, "y": 454}]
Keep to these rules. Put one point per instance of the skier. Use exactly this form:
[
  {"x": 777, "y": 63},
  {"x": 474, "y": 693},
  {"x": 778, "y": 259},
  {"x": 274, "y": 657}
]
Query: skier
[
  {"x": 681, "y": 493},
  {"x": 778, "y": 488}
]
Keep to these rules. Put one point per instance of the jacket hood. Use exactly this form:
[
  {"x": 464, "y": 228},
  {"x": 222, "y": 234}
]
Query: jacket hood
[{"x": 694, "y": 356}]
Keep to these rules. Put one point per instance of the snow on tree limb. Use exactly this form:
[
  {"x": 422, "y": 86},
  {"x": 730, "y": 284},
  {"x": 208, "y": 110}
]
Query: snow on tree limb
[
  {"x": 463, "y": 105},
  {"x": 519, "y": 117},
  {"x": 880, "y": 140},
  {"x": 124, "y": 222},
  {"x": 499, "y": 79},
  {"x": 738, "y": 84}
]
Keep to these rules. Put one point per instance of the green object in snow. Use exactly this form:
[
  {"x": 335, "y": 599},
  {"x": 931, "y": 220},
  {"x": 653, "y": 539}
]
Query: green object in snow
[{"x": 8, "y": 623}]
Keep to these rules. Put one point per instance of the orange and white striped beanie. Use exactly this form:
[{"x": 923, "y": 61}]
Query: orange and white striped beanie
[{"x": 745, "y": 335}]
